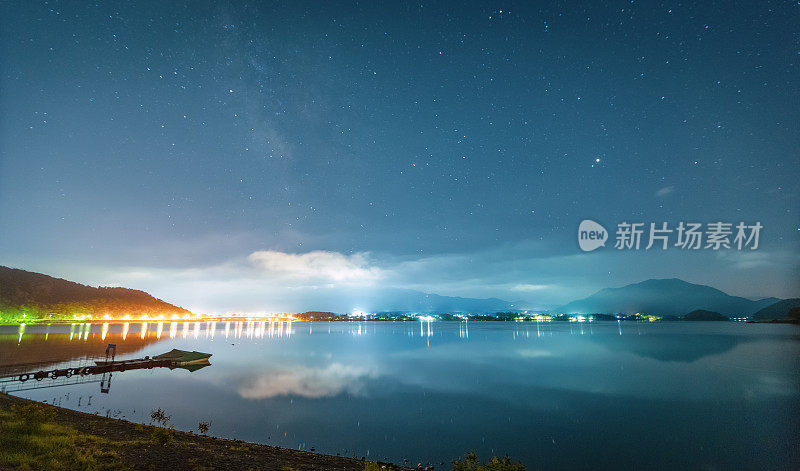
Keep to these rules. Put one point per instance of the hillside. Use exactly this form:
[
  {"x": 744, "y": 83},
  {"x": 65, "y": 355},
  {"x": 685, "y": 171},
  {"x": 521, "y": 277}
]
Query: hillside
[
  {"x": 672, "y": 297},
  {"x": 703, "y": 315},
  {"x": 779, "y": 310},
  {"x": 40, "y": 296}
]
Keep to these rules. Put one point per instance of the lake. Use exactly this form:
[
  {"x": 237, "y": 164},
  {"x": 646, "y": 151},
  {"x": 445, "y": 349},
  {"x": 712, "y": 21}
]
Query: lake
[{"x": 602, "y": 395}]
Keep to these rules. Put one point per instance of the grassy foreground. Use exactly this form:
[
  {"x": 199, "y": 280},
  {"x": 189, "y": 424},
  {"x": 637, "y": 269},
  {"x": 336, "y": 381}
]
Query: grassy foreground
[{"x": 41, "y": 436}]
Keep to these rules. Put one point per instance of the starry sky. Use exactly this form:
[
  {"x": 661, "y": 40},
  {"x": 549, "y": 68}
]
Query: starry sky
[{"x": 292, "y": 155}]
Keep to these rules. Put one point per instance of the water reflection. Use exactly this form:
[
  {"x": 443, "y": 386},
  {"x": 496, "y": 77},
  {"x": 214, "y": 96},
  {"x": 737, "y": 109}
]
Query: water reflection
[
  {"x": 673, "y": 348},
  {"x": 308, "y": 382},
  {"x": 21, "y": 363},
  {"x": 643, "y": 340}
]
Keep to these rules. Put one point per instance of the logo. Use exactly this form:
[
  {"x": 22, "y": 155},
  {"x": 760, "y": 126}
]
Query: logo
[
  {"x": 591, "y": 235},
  {"x": 717, "y": 235}
]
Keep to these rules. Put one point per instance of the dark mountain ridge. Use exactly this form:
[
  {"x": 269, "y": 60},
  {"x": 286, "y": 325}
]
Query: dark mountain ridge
[
  {"x": 671, "y": 297},
  {"x": 703, "y": 315},
  {"x": 779, "y": 310},
  {"x": 24, "y": 291}
]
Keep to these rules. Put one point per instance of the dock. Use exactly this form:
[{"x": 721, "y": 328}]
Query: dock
[{"x": 175, "y": 358}]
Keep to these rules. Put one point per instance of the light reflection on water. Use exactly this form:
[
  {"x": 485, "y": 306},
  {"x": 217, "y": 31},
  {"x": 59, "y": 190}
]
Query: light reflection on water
[{"x": 599, "y": 395}]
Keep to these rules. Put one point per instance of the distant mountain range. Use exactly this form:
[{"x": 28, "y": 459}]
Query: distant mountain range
[
  {"x": 671, "y": 297},
  {"x": 36, "y": 294},
  {"x": 394, "y": 299}
]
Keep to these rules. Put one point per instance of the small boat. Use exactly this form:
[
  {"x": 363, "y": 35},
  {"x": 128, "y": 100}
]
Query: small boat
[
  {"x": 184, "y": 358},
  {"x": 173, "y": 359}
]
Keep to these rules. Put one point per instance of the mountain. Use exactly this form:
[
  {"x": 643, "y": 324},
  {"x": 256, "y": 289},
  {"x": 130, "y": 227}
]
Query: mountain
[
  {"x": 665, "y": 297},
  {"x": 429, "y": 302},
  {"x": 779, "y": 310},
  {"x": 38, "y": 295},
  {"x": 407, "y": 300},
  {"x": 703, "y": 315}
]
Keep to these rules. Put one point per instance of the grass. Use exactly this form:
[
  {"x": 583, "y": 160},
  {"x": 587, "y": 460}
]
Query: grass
[
  {"x": 241, "y": 447},
  {"x": 31, "y": 440}
]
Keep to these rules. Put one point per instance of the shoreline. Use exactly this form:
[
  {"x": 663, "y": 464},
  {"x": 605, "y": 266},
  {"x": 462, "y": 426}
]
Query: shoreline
[
  {"x": 47, "y": 322},
  {"x": 136, "y": 446}
]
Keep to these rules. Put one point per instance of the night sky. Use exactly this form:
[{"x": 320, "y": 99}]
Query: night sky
[{"x": 274, "y": 156}]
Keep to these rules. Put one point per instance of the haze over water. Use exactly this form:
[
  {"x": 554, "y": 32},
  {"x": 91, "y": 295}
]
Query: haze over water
[{"x": 600, "y": 395}]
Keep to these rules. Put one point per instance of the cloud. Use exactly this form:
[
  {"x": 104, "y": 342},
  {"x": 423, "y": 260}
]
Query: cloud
[
  {"x": 748, "y": 260},
  {"x": 665, "y": 191},
  {"x": 529, "y": 287},
  {"x": 308, "y": 382},
  {"x": 317, "y": 266}
]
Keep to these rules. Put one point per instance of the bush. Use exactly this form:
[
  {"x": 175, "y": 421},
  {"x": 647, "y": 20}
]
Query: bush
[
  {"x": 159, "y": 417},
  {"x": 162, "y": 436},
  {"x": 472, "y": 463}
]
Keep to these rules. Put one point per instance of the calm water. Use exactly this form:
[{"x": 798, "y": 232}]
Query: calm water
[{"x": 583, "y": 396}]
